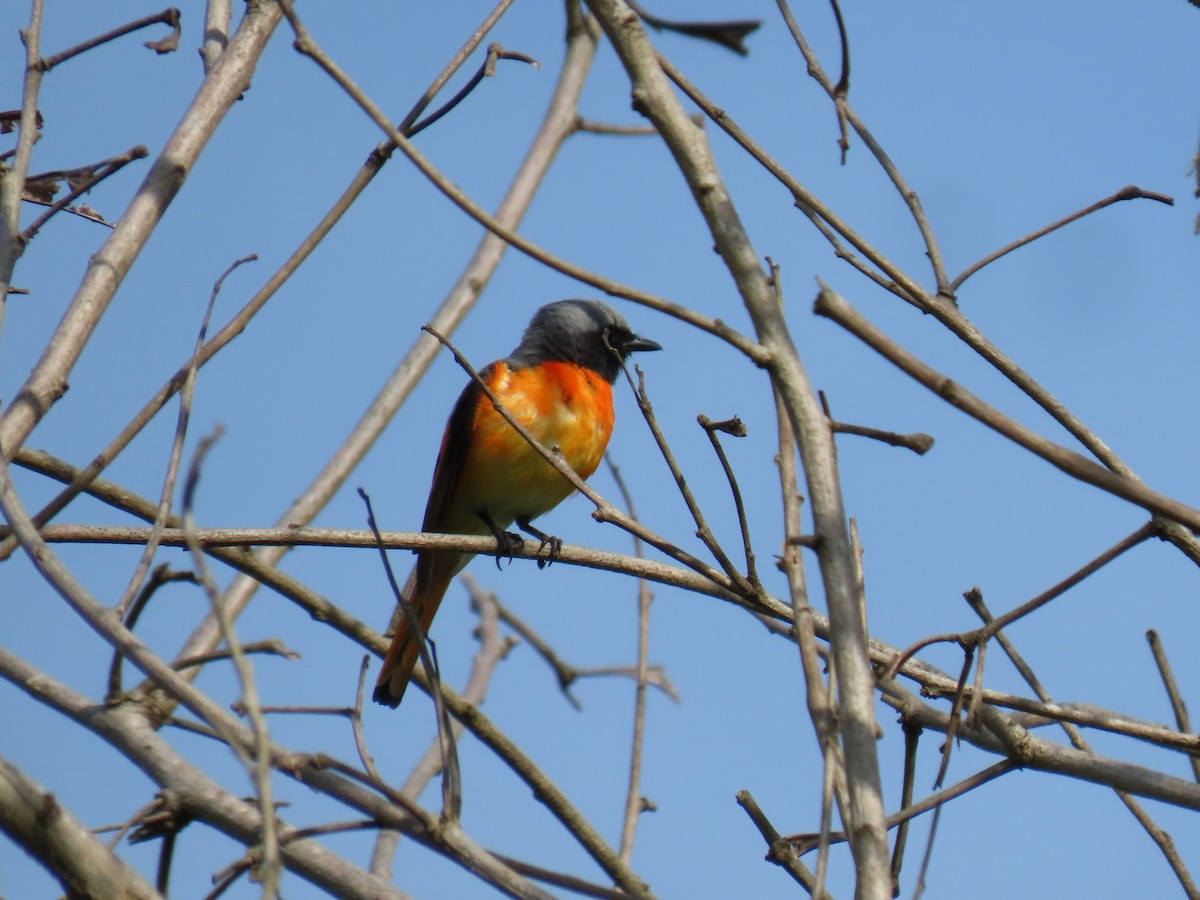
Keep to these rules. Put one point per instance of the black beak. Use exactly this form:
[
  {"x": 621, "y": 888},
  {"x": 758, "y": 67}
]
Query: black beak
[{"x": 635, "y": 343}]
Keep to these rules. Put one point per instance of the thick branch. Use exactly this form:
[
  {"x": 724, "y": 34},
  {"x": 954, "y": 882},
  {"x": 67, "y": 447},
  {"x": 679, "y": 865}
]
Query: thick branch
[
  {"x": 654, "y": 98},
  {"x": 34, "y": 819},
  {"x": 836, "y": 308},
  {"x": 108, "y": 267}
]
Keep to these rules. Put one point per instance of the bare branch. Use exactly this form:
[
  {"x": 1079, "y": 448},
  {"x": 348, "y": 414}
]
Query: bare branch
[
  {"x": 258, "y": 758},
  {"x": 635, "y": 803},
  {"x": 1182, "y": 720},
  {"x": 486, "y": 69},
  {"x": 161, "y": 575},
  {"x": 108, "y": 266},
  {"x": 493, "y": 648},
  {"x": 176, "y": 454},
  {"x": 834, "y": 307},
  {"x": 838, "y": 93},
  {"x": 731, "y": 34},
  {"x": 12, "y": 179},
  {"x": 779, "y": 849},
  {"x": 655, "y": 99},
  {"x": 89, "y": 178},
  {"x": 806, "y": 842},
  {"x": 166, "y": 44},
  {"x": 716, "y": 327},
  {"x": 919, "y": 443},
  {"x": 217, "y": 15},
  {"x": 740, "y": 581},
  {"x": 451, "y": 773},
  {"x": 1163, "y": 840},
  {"x": 1129, "y": 192},
  {"x": 733, "y": 427},
  {"x": 33, "y": 818}
]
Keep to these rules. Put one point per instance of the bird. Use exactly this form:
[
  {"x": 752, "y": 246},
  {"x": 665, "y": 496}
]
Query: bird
[{"x": 558, "y": 384}]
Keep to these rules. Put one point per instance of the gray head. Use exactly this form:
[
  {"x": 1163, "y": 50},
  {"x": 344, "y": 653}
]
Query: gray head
[{"x": 580, "y": 332}]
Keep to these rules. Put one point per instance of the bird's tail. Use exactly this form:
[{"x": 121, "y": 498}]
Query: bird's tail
[{"x": 432, "y": 578}]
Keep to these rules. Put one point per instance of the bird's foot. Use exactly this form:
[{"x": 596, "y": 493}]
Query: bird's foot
[
  {"x": 507, "y": 544},
  {"x": 555, "y": 545},
  {"x": 547, "y": 540}
]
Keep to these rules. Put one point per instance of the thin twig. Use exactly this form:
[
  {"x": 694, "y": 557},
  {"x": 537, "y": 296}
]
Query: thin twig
[
  {"x": 225, "y": 878},
  {"x": 635, "y": 803},
  {"x": 567, "y": 673},
  {"x": 742, "y": 583},
  {"x": 342, "y": 711},
  {"x": 729, "y": 34},
  {"x": 656, "y": 677},
  {"x": 831, "y": 768},
  {"x": 563, "y": 670},
  {"x": 493, "y": 648},
  {"x": 818, "y": 695},
  {"x": 1178, "y": 706},
  {"x": 12, "y": 185},
  {"x": 832, "y": 306},
  {"x": 455, "y": 63},
  {"x": 918, "y": 442},
  {"x": 217, "y": 16},
  {"x": 270, "y": 647},
  {"x": 306, "y": 45},
  {"x": 805, "y": 843},
  {"x": 912, "y": 740},
  {"x": 1161, "y": 838},
  {"x": 955, "y": 719},
  {"x": 838, "y": 93},
  {"x": 92, "y": 176},
  {"x": 176, "y": 453},
  {"x": 356, "y": 723},
  {"x": 559, "y": 879},
  {"x": 168, "y": 16},
  {"x": 779, "y": 849},
  {"x": 486, "y": 69},
  {"x": 955, "y": 723},
  {"x": 980, "y": 636},
  {"x": 1129, "y": 192},
  {"x": 842, "y": 89},
  {"x": 161, "y": 575},
  {"x": 843, "y": 85},
  {"x": 735, "y": 428},
  {"x": 260, "y": 766},
  {"x": 452, "y": 775},
  {"x": 592, "y": 127}
]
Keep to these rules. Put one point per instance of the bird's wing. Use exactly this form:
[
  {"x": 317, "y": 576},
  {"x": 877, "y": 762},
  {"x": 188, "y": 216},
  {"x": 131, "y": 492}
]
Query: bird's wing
[{"x": 453, "y": 453}]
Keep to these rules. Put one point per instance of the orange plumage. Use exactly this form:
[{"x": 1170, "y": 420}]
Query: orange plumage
[{"x": 558, "y": 385}]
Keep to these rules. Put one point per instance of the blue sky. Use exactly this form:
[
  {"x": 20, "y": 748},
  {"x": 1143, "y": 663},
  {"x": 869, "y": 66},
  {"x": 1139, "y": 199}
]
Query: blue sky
[{"x": 1002, "y": 118}]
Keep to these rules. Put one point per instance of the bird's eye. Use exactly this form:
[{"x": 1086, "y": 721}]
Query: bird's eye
[
  {"x": 615, "y": 339},
  {"x": 607, "y": 336}
]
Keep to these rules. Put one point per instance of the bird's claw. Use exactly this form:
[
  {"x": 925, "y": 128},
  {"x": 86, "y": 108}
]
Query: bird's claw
[
  {"x": 507, "y": 544},
  {"x": 555, "y": 544}
]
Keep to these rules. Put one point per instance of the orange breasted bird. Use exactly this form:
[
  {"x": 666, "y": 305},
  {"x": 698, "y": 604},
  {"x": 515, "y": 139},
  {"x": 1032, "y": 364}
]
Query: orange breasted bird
[{"x": 558, "y": 385}]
